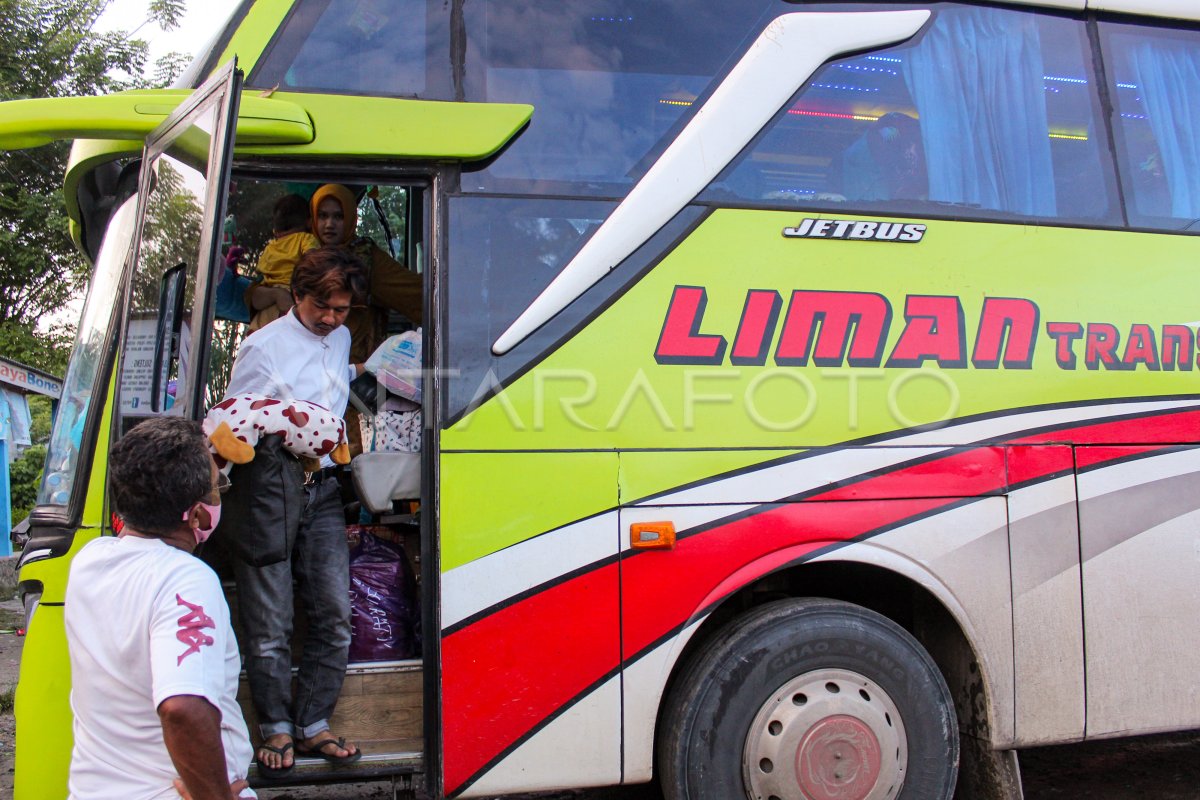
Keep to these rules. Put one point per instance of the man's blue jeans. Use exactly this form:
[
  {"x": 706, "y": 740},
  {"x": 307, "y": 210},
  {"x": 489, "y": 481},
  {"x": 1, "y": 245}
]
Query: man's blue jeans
[{"x": 320, "y": 565}]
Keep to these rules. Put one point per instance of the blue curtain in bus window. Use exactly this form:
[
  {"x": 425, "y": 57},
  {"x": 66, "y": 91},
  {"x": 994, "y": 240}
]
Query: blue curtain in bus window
[
  {"x": 1168, "y": 75},
  {"x": 987, "y": 112},
  {"x": 976, "y": 79}
]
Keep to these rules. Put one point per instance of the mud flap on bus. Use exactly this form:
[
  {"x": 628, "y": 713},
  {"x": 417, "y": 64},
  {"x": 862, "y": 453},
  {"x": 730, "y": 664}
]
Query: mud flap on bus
[{"x": 987, "y": 774}]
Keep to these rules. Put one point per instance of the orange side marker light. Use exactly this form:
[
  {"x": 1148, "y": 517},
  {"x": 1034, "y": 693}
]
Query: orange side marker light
[{"x": 652, "y": 536}]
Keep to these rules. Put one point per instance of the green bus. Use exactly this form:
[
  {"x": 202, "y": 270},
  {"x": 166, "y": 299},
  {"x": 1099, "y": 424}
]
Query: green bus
[{"x": 811, "y": 398}]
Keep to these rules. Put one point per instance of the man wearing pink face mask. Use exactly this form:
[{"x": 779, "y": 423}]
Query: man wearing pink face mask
[{"x": 154, "y": 662}]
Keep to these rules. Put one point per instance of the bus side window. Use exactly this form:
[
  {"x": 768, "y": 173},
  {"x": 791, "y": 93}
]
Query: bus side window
[
  {"x": 886, "y": 163},
  {"x": 988, "y": 110},
  {"x": 1154, "y": 79}
]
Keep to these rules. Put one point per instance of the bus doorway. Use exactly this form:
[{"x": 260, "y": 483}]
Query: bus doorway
[{"x": 381, "y": 707}]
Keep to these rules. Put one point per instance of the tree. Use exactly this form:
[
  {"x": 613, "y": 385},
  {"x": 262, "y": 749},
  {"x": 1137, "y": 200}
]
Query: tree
[
  {"x": 48, "y": 49},
  {"x": 393, "y": 202},
  {"x": 47, "y": 351},
  {"x": 170, "y": 235}
]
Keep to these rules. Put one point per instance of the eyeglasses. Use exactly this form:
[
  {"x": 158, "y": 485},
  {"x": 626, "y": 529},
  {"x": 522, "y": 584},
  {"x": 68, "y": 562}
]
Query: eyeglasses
[{"x": 223, "y": 483}]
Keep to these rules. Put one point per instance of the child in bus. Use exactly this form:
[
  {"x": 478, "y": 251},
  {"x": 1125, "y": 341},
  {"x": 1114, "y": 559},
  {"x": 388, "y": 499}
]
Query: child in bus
[{"x": 272, "y": 297}]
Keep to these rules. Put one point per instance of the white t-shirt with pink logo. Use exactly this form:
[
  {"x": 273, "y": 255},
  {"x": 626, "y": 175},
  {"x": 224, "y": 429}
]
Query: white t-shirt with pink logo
[{"x": 145, "y": 621}]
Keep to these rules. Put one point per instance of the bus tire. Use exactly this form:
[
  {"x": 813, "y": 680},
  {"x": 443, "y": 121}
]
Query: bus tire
[{"x": 809, "y": 698}]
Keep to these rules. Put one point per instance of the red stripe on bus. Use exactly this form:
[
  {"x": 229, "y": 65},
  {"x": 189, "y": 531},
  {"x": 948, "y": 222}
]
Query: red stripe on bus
[
  {"x": 1032, "y": 463},
  {"x": 1092, "y": 456},
  {"x": 1156, "y": 428},
  {"x": 508, "y": 672},
  {"x": 970, "y": 473}
]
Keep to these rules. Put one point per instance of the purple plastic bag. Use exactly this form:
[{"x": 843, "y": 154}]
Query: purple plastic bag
[{"x": 383, "y": 606}]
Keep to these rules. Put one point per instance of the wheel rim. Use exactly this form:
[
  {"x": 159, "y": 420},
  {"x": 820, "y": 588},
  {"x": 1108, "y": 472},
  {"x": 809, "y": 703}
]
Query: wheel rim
[{"x": 826, "y": 735}]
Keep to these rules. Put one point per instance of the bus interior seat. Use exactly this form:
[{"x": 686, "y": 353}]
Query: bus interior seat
[{"x": 380, "y": 478}]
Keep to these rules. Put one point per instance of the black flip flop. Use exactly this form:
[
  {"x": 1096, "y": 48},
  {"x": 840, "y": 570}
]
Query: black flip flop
[
  {"x": 273, "y": 773},
  {"x": 318, "y": 751}
]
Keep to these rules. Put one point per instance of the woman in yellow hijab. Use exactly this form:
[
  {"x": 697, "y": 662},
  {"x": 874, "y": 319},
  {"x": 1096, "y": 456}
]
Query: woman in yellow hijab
[{"x": 390, "y": 285}]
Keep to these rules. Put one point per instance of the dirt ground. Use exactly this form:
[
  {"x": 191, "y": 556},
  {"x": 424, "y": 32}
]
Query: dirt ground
[
  {"x": 1163, "y": 767},
  {"x": 1148, "y": 768},
  {"x": 10, "y": 662}
]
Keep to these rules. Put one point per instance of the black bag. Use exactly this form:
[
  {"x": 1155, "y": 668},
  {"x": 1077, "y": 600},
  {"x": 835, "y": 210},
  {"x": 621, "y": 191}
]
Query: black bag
[
  {"x": 260, "y": 514},
  {"x": 364, "y": 394}
]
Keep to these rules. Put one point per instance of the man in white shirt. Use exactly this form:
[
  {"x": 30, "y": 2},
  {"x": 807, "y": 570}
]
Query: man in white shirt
[
  {"x": 154, "y": 661},
  {"x": 303, "y": 355}
]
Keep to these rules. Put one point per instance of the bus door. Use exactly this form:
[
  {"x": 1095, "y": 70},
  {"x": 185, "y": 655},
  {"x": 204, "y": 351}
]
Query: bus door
[{"x": 181, "y": 199}]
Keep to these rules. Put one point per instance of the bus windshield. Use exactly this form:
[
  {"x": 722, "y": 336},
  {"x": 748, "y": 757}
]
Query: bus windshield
[
  {"x": 609, "y": 78},
  {"x": 387, "y": 49},
  {"x": 611, "y": 81},
  {"x": 87, "y": 360}
]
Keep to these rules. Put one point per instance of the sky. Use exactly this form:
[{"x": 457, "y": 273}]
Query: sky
[{"x": 200, "y": 23}]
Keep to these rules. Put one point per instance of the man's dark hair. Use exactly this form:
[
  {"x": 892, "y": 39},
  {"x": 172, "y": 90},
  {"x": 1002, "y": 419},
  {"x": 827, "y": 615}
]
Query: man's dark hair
[
  {"x": 290, "y": 214},
  {"x": 325, "y": 270},
  {"x": 157, "y": 471}
]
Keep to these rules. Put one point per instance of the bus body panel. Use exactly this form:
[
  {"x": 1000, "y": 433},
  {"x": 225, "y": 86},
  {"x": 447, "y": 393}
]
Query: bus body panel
[
  {"x": 361, "y": 127},
  {"x": 578, "y": 748},
  {"x": 42, "y": 704},
  {"x": 254, "y": 33},
  {"x": 1047, "y": 606},
  {"x": 1138, "y": 515},
  {"x": 133, "y": 115},
  {"x": 517, "y": 500},
  {"x": 510, "y": 667},
  {"x": 958, "y": 556},
  {"x": 645, "y": 474}
]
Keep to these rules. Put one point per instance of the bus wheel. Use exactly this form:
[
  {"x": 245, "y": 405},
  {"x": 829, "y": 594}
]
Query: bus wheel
[{"x": 813, "y": 699}]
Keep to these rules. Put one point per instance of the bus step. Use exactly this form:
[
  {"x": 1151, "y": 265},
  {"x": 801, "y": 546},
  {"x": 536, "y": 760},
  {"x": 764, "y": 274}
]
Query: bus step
[
  {"x": 380, "y": 707},
  {"x": 381, "y": 759}
]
